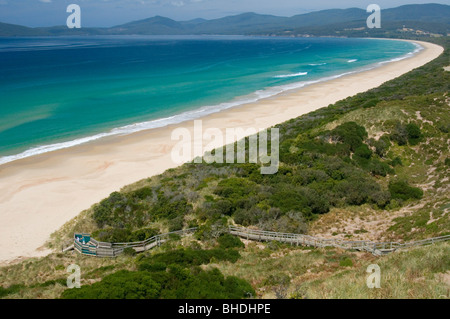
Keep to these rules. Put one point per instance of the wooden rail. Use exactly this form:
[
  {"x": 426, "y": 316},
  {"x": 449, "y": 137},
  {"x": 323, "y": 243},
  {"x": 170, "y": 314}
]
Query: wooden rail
[
  {"x": 375, "y": 248},
  {"x": 103, "y": 249}
]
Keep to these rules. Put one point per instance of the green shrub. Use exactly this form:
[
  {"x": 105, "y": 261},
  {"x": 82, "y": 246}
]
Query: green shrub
[
  {"x": 346, "y": 262},
  {"x": 371, "y": 103},
  {"x": 143, "y": 193},
  {"x": 229, "y": 241},
  {"x": 152, "y": 266},
  {"x": 104, "y": 212},
  {"x": 380, "y": 168},
  {"x": 357, "y": 190},
  {"x": 397, "y": 161},
  {"x": 403, "y": 134},
  {"x": 112, "y": 235},
  {"x": 223, "y": 207},
  {"x": 399, "y": 134},
  {"x": 299, "y": 199},
  {"x": 120, "y": 285},
  {"x": 363, "y": 151},
  {"x": 176, "y": 224},
  {"x": 234, "y": 187},
  {"x": 402, "y": 190},
  {"x": 350, "y": 133},
  {"x": 129, "y": 251},
  {"x": 142, "y": 234},
  {"x": 10, "y": 290},
  {"x": 444, "y": 128},
  {"x": 413, "y": 131},
  {"x": 212, "y": 229},
  {"x": 381, "y": 146},
  {"x": 170, "y": 208},
  {"x": 175, "y": 282}
]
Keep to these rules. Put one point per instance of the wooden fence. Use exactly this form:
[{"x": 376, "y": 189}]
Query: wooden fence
[
  {"x": 104, "y": 249},
  {"x": 375, "y": 248}
]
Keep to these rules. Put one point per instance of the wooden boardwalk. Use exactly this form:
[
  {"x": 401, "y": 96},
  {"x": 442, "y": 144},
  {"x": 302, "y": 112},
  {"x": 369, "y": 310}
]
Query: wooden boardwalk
[
  {"x": 102, "y": 249},
  {"x": 375, "y": 248}
]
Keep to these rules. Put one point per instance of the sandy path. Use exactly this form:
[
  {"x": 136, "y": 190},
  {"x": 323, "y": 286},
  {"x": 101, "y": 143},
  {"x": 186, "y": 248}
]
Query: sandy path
[{"x": 39, "y": 194}]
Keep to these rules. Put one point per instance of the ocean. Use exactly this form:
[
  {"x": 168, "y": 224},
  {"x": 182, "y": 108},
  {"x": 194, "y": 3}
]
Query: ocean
[{"x": 57, "y": 92}]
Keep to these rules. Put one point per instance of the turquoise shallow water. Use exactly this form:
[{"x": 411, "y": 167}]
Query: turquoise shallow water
[{"x": 59, "y": 92}]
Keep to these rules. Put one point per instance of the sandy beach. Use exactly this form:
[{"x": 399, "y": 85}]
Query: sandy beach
[{"x": 41, "y": 193}]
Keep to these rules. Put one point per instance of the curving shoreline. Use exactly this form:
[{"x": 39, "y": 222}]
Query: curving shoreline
[
  {"x": 39, "y": 194},
  {"x": 203, "y": 110}
]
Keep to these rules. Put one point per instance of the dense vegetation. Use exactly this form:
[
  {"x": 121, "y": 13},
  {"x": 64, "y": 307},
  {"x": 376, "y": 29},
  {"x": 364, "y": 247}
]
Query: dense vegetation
[
  {"x": 171, "y": 275},
  {"x": 175, "y": 283}
]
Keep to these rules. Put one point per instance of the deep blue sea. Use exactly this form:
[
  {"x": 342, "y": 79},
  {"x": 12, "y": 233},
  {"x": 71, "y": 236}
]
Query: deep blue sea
[{"x": 56, "y": 92}]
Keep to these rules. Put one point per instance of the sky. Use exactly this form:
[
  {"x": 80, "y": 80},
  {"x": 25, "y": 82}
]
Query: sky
[{"x": 106, "y": 13}]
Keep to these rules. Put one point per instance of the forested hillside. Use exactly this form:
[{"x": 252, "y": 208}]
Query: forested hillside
[{"x": 419, "y": 19}]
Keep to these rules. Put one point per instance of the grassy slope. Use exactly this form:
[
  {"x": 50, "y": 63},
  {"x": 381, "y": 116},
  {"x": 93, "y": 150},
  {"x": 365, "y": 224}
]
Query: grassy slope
[
  {"x": 277, "y": 270},
  {"x": 424, "y": 165},
  {"x": 280, "y": 271}
]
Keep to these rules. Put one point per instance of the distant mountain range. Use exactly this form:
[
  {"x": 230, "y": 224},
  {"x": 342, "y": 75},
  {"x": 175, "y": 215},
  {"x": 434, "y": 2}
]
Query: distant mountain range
[{"x": 429, "y": 19}]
